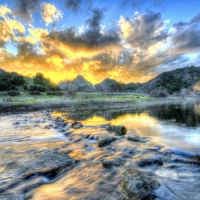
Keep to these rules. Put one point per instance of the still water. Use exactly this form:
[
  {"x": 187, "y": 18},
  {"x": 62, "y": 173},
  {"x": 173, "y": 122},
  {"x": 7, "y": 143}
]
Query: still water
[{"x": 172, "y": 133}]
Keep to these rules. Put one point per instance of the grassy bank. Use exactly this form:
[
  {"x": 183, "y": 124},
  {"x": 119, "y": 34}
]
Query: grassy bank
[
  {"x": 26, "y": 98},
  {"x": 82, "y": 101}
]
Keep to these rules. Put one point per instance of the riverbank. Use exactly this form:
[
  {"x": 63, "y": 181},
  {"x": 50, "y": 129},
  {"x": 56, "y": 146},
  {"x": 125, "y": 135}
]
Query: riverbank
[{"x": 91, "y": 103}]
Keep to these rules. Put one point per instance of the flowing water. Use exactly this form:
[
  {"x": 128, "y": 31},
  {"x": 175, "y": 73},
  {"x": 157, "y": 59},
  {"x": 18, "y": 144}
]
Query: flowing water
[{"x": 172, "y": 133}]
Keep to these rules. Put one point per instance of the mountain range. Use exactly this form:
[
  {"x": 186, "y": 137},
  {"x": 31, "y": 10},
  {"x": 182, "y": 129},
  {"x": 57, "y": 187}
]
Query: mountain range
[{"x": 173, "y": 81}]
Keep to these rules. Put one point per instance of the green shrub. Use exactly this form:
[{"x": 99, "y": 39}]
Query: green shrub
[
  {"x": 72, "y": 92},
  {"x": 13, "y": 93},
  {"x": 56, "y": 93},
  {"x": 35, "y": 92},
  {"x": 159, "y": 92},
  {"x": 25, "y": 87}
]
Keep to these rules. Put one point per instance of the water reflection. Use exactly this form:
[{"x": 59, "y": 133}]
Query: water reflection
[
  {"x": 183, "y": 114},
  {"x": 174, "y": 126}
]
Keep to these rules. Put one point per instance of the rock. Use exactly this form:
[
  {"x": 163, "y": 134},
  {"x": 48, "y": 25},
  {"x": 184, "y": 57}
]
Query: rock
[
  {"x": 49, "y": 126},
  {"x": 76, "y": 138},
  {"x": 113, "y": 163},
  {"x": 104, "y": 125},
  {"x": 16, "y": 123},
  {"x": 69, "y": 126},
  {"x": 68, "y": 133},
  {"x": 118, "y": 130},
  {"x": 64, "y": 124},
  {"x": 46, "y": 163},
  {"x": 138, "y": 186},
  {"x": 59, "y": 120},
  {"x": 76, "y": 125},
  {"x": 87, "y": 136},
  {"x": 150, "y": 161},
  {"x": 136, "y": 138},
  {"x": 105, "y": 140}
]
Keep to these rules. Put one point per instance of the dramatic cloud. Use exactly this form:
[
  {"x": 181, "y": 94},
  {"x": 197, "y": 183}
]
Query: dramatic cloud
[
  {"x": 5, "y": 33},
  {"x": 76, "y": 5},
  {"x": 144, "y": 30},
  {"x": 129, "y": 49},
  {"x": 73, "y": 4},
  {"x": 90, "y": 40},
  {"x": 16, "y": 26},
  {"x": 186, "y": 37},
  {"x": 24, "y": 8},
  {"x": 38, "y": 33},
  {"x": 50, "y": 14},
  {"x": 4, "y": 11},
  {"x": 5, "y": 56}
]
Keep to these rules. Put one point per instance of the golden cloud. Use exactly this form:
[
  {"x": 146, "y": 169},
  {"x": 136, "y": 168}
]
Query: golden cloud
[
  {"x": 50, "y": 14},
  {"x": 4, "y": 11}
]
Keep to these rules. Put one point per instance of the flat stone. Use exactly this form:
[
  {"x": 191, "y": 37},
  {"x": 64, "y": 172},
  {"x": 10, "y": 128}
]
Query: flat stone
[
  {"x": 105, "y": 140},
  {"x": 118, "y": 130},
  {"x": 150, "y": 161},
  {"x": 136, "y": 138},
  {"x": 113, "y": 163}
]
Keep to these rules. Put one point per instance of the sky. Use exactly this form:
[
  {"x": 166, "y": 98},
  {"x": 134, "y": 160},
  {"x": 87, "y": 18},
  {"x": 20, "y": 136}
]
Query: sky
[{"x": 126, "y": 40}]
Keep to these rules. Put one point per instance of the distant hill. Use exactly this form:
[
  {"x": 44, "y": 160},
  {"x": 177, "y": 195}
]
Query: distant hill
[
  {"x": 111, "y": 85},
  {"x": 107, "y": 85},
  {"x": 174, "y": 80},
  {"x": 80, "y": 84}
]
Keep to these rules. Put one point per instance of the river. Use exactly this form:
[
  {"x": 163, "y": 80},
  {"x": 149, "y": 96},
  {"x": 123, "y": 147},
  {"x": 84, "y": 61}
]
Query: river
[{"x": 172, "y": 134}]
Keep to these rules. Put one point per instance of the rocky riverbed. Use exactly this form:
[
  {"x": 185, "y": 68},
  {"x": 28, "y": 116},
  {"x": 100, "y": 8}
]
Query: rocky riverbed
[{"x": 49, "y": 155}]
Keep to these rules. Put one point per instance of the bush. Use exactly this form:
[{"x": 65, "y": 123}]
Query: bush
[
  {"x": 71, "y": 92},
  {"x": 35, "y": 92},
  {"x": 159, "y": 92},
  {"x": 8, "y": 99},
  {"x": 25, "y": 87},
  {"x": 13, "y": 93},
  {"x": 35, "y": 87},
  {"x": 56, "y": 93}
]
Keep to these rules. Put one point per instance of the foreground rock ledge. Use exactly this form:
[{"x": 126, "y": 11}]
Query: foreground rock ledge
[
  {"x": 46, "y": 163},
  {"x": 138, "y": 186}
]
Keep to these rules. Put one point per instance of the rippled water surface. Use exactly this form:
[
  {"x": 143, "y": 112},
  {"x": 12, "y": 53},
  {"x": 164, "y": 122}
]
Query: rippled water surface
[{"x": 172, "y": 134}]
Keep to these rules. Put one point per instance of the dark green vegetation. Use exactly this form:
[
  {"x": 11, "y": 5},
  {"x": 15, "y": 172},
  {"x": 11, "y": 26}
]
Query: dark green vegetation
[
  {"x": 43, "y": 84},
  {"x": 11, "y": 81},
  {"x": 174, "y": 81}
]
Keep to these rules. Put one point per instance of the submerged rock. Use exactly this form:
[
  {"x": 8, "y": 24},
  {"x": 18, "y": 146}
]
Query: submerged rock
[
  {"x": 113, "y": 163},
  {"x": 47, "y": 163},
  {"x": 138, "y": 186},
  {"x": 105, "y": 140},
  {"x": 150, "y": 161},
  {"x": 59, "y": 120},
  {"x": 136, "y": 138},
  {"x": 76, "y": 125},
  {"x": 49, "y": 126},
  {"x": 118, "y": 130}
]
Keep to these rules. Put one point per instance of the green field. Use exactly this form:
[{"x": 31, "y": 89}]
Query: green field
[{"x": 26, "y": 98}]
